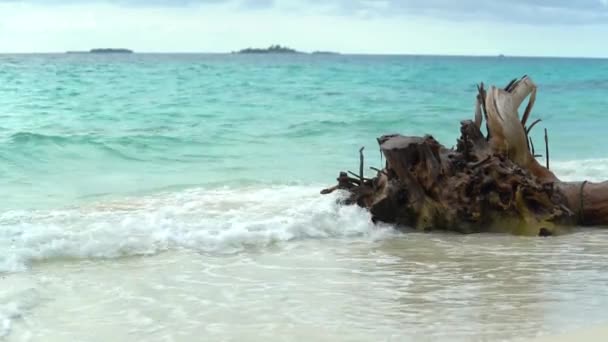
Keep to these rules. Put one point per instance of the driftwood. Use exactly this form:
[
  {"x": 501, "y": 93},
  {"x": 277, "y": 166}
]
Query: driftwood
[{"x": 489, "y": 183}]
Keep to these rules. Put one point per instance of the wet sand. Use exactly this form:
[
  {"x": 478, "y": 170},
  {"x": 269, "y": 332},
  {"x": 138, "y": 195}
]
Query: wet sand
[
  {"x": 596, "y": 334},
  {"x": 407, "y": 287}
]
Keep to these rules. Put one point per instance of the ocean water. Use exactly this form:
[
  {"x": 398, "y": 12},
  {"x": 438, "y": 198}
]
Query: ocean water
[{"x": 175, "y": 198}]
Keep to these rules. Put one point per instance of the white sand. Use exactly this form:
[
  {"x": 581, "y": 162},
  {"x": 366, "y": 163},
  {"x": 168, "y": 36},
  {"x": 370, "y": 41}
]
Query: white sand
[{"x": 597, "y": 334}]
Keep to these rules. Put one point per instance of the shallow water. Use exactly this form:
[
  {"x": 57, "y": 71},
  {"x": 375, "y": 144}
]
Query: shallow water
[
  {"x": 80, "y": 127},
  {"x": 175, "y": 198},
  {"x": 283, "y": 264},
  {"x": 409, "y": 287}
]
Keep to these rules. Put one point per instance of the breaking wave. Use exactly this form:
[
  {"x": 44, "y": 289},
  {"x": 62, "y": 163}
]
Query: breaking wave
[{"x": 217, "y": 221}]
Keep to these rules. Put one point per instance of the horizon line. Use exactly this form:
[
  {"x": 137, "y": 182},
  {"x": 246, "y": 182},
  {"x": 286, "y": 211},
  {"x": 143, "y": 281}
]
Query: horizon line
[{"x": 335, "y": 53}]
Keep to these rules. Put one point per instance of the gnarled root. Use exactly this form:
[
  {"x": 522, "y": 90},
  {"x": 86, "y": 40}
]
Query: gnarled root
[{"x": 491, "y": 183}]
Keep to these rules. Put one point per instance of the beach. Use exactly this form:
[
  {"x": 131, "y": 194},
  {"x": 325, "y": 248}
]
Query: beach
[
  {"x": 175, "y": 197},
  {"x": 594, "y": 334}
]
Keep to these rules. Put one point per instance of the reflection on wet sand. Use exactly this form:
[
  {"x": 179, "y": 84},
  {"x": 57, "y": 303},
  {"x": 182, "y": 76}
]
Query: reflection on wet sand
[{"x": 407, "y": 287}]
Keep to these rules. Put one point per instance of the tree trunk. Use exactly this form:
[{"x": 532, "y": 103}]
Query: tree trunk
[
  {"x": 588, "y": 200},
  {"x": 486, "y": 184}
]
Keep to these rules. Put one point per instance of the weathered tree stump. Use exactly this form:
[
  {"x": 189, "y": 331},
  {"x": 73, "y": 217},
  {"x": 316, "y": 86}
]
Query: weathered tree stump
[{"x": 488, "y": 183}]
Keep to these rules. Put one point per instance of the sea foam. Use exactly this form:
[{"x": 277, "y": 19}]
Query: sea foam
[
  {"x": 217, "y": 221},
  {"x": 226, "y": 220},
  {"x": 593, "y": 170}
]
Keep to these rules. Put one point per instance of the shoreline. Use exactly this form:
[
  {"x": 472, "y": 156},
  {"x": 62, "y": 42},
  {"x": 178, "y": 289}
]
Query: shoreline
[{"x": 396, "y": 54}]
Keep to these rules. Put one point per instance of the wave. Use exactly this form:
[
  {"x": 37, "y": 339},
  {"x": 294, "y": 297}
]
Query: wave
[
  {"x": 24, "y": 138},
  {"x": 594, "y": 170},
  {"x": 29, "y": 137},
  {"x": 214, "y": 221},
  {"x": 26, "y": 147},
  {"x": 42, "y": 146}
]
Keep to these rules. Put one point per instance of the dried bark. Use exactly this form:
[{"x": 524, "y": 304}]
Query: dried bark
[{"x": 485, "y": 184}]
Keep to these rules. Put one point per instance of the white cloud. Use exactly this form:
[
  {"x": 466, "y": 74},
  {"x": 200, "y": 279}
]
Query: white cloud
[{"x": 226, "y": 26}]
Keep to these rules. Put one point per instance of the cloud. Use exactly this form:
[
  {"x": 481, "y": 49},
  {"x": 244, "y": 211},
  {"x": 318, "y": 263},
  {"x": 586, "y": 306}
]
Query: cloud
[
  {"x": 519, "y": 27},
  {"x": 245, "y": 4},
  {"x": 516, "y": 11}
]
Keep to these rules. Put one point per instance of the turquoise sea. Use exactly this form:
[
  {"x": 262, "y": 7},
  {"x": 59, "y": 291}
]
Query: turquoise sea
[
  {"x": 76, "y": 127},
  {"x": 165, "y": 197}
]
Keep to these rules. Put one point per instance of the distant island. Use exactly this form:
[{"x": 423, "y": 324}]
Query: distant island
[
  {"x": 111, "y": 51},
  {"x": 278, "y": 49},
  {"x": 270, "y": 49},
  {"x": 325, "y": 53},
  {"x": 102, "y": 51}
]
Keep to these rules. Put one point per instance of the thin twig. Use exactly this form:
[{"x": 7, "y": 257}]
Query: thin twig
[
  {"x": 532, "y": 146},
  {"x": 361, "y": 163},
  {"x": 378, "y": 170},
  {"x": 358, "y": 179},
  {"x": 547, "y": 147},
  {"x": 529, "y": 129},
  {"x": 354, "y": 180},
  {"x": 510, "y": 85}
]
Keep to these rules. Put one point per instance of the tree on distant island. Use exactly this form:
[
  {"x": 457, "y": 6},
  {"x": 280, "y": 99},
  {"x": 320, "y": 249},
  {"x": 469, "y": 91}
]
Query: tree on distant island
[
  {"x": 106, "y": 50},
  {"x": 325, "y": 53},
  {"x": 271, "y": 49}
]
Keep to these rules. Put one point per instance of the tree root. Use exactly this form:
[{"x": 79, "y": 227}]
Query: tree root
[{"x": 486, "y": 184}]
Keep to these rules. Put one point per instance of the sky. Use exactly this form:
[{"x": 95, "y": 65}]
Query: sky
[{"x": 576, "y": 28}]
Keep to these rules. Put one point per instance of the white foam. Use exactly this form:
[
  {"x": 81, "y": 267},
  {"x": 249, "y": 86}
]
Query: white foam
[
  {"x": 223, "y": 221},
  {"x": 594, "y": 170},
  {"x": 14, "y": 306}
]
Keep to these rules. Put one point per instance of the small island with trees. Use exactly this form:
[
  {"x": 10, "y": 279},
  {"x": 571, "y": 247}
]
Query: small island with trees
[
  {"x": 325, "y": 53},
  {"x": 102, "y": 51},
  {"x": 278, "y": 49},
  {"x": 271, "y": 49},
  {"x": 111, "y": 51}
]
